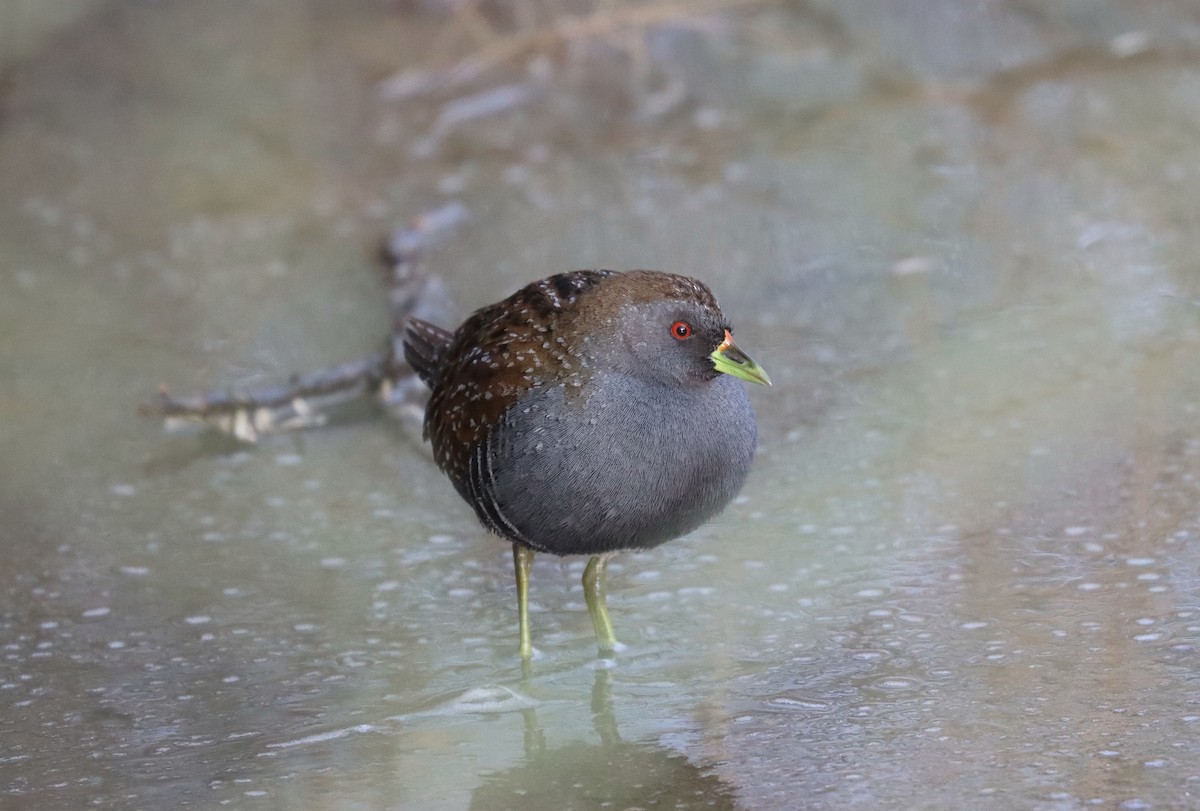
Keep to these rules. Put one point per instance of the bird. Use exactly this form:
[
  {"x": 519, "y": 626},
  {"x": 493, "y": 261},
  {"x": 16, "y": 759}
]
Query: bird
[{"x": 590, "y": 412}]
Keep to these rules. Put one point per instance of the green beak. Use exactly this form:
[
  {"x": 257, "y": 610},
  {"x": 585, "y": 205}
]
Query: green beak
[{"x": 732, "y": 361}]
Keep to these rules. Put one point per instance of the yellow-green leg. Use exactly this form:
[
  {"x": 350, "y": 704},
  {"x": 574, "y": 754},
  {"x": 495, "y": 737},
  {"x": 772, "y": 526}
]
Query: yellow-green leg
[
  {"x": 593, "y": 593},
  {"x": 522, "y": 560}
]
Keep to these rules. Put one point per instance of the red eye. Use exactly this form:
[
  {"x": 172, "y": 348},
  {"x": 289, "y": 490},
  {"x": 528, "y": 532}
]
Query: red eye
[{"x": 682, "y": 330}]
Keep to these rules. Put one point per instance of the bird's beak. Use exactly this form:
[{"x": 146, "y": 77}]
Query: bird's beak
[{"x": 733, "y": 361}]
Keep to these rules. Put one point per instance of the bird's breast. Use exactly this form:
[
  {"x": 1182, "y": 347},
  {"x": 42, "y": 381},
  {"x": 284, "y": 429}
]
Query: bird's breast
[{"x": 618, "y": 463}]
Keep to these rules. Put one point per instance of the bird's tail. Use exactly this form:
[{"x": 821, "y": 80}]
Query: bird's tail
[{"x": 425, "y": 347}]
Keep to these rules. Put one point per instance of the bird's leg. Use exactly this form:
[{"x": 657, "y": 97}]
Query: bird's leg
[
  {"x": 522, "y": 560},
  {"x": 593, "y": 593}
]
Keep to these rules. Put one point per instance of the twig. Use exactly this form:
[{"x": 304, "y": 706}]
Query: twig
[
  {"x": 306, "y": 399},
  {"x": 546, "y": 37}
]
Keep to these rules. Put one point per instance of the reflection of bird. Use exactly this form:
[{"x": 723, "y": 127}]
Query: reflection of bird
[
  {"x": 611, "y": 774},
  {"x": 620, "y": 775},
  {"x": 587, "y": 413}
]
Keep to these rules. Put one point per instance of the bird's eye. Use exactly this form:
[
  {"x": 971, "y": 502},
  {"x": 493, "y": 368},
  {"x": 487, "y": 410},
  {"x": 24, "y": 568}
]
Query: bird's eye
[{"x": 682, "y": 330}]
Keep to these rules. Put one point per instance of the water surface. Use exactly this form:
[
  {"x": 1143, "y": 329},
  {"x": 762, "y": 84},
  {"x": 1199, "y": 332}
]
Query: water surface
[{"x": 964, "y": 572}]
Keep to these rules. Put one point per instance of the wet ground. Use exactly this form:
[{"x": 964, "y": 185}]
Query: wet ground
[{"x": 961, "y": 237}]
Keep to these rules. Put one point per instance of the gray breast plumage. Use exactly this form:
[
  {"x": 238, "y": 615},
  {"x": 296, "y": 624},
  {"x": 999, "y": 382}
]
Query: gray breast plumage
[{"x": 639, "y": 465}]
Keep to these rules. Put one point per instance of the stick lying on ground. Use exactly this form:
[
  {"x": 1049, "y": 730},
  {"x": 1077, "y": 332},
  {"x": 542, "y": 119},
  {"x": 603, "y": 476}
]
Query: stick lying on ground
[{"x": 305, "y": 400}]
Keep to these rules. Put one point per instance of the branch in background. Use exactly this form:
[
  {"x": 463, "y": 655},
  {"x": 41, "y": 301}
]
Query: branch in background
[
  {"x": 607, "y": 21},
  {"x": 306, "y": 400}
]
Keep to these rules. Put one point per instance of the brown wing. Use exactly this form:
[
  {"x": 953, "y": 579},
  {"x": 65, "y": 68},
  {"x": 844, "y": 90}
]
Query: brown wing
[{"x": 497, "y": 355}]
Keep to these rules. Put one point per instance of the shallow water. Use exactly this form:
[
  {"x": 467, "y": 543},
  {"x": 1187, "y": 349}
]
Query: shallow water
[{"x": 965, "y": 571}]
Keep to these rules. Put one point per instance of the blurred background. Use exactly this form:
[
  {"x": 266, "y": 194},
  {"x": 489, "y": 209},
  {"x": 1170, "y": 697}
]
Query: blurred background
[{"x": 961, "y": 235}]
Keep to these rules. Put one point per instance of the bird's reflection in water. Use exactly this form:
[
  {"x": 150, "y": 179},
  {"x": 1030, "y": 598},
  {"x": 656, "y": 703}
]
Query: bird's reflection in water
[{"x": 610, "y": 774}]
